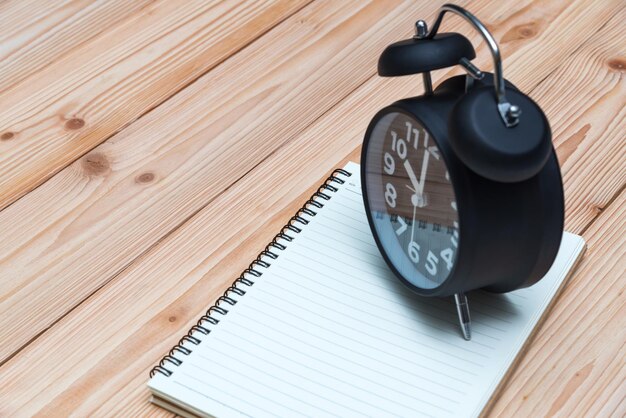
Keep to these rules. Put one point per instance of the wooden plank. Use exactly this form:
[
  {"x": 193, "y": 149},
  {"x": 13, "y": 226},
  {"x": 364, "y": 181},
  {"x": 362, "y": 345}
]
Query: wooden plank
[
  {"x": 135, "y": 318},
  {"x": 104, "y": 210},
  {"x": 36, "y": 33},
  {"x": 94, "y": 88}
]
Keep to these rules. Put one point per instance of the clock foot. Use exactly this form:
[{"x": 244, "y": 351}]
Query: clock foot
[{"x": 462, "y": 309}]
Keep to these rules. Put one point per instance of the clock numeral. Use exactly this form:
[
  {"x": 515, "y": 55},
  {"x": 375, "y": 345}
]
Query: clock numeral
[
  {"x": 454, "y": 239},
  {"x": 431, "y": 263},
  {"x": 425, "y": 139},
  {"x": 447, "y": 255},
  {"x": 398, "y": 145},
  {"x": 391, "y": 195},
  {"x": 410, "y": 129},
  {"x": 413, "y": 250},
  {"x": 390, "y": 164},
  {"x": 402, "y": 150},
  {"x": 403, "y": 226}
]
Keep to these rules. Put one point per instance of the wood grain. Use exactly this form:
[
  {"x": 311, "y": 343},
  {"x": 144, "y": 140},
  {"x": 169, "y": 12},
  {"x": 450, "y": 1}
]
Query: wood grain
[
  {"x": 123, "y": 328},
  {"x": 94, "y": 87},
  {"x": 104, "y": 210},
  {"x": 36, "y": 33}
]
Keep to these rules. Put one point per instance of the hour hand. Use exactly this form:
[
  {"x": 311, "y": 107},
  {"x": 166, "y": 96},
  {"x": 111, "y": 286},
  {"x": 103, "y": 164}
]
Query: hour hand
[
  {"x": 418, "y": 198},
  {"x": 412, "y": 177}
]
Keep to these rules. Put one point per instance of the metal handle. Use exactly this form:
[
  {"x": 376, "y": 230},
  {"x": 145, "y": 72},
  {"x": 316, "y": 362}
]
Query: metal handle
[{"x": 510, "y": 113}]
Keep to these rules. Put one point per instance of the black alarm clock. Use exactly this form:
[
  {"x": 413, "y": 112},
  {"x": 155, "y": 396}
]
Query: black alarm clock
[{"x": 461, "y": 185}]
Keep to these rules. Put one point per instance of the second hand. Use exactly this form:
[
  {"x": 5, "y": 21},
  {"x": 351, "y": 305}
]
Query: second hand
[{"x": 413, "y": 220}]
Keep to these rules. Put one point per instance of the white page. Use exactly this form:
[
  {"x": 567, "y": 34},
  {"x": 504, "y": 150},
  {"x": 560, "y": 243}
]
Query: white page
[{"x": 327, "y": 330}]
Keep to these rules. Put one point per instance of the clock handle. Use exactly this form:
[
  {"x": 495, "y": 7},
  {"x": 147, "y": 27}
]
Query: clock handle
[{"x": 510, "y": 113}]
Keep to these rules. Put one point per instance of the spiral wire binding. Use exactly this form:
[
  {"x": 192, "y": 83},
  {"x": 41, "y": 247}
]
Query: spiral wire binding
[{"x": 202, "y": 327}]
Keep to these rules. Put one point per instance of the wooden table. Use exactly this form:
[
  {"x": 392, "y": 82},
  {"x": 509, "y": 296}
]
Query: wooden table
[{"x": 149, "y": 149}]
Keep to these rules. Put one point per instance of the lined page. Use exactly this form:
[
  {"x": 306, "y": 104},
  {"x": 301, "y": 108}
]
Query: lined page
[{"x": 327, "y": 330}]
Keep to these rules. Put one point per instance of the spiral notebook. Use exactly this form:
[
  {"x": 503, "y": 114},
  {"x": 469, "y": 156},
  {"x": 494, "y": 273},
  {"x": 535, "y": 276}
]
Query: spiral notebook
[{"x": 318, "y": 326}]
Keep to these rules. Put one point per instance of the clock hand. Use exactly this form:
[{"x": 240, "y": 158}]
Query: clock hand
[
  {"x": 418, "y": 187},
  {"x": 423, "y": 173},
  {"x": 412, "y": 177},
  {"x": 413, "y": 221}
]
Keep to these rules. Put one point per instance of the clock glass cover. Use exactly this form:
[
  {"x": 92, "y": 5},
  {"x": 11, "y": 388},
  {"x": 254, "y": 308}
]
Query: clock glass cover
[{"x": 411, "y": 200}]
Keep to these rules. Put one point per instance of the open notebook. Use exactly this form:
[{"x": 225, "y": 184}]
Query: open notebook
[{"x": 327, "y": 330}]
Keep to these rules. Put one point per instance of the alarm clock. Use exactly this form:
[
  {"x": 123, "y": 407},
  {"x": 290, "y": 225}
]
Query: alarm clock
[{"x": 461, "y": 185}]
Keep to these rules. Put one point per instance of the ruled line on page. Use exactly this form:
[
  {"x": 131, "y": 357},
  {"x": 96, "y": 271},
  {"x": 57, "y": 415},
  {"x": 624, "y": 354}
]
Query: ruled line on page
[
  {"x": 342, "y": 314},
  {"x": 222, "y": 383},
  {"x": 395, "y": 366},
  {"x": 357, "y": 221},
  {"x": 450, "y": 327},
  {"x": 192, "y": 389},
  {"x": 388, "y": 290},
  {"x": 339, "y": 315},
  {"x": 444, "y": 311},
  {"x": 369, "y": 241},
  {"x": 366, "y": 234},
  {"x": 376, "y": 360},
  {"x": 354, "y": 192},
  {"x": 371, "y": 251},
  {"x": 353, "y": 208},
  {"x": 363, "y": 336},
  {"x": 380, "y": 268},
  {"x": 240, "y": 397},
  {"x": 276, "y": 366},
  {"x": 335, "y": 337},
  {"x": 233, "y": 336},
  {"x": 291, "y": 384}
]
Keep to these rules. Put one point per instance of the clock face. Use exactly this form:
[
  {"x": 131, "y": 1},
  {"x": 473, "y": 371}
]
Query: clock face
[{"x": 411, "y": 200}]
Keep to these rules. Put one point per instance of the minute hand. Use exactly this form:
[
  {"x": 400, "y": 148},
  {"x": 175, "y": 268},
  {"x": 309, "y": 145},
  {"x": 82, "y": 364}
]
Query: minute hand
[{"x": 423, "y": 173}]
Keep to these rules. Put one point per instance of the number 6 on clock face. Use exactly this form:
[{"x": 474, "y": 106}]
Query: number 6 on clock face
[{"x": 413, "y": 251}]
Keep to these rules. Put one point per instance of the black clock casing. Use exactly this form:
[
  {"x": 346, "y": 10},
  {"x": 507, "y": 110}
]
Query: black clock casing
[{"x": 509, "y": 232}]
